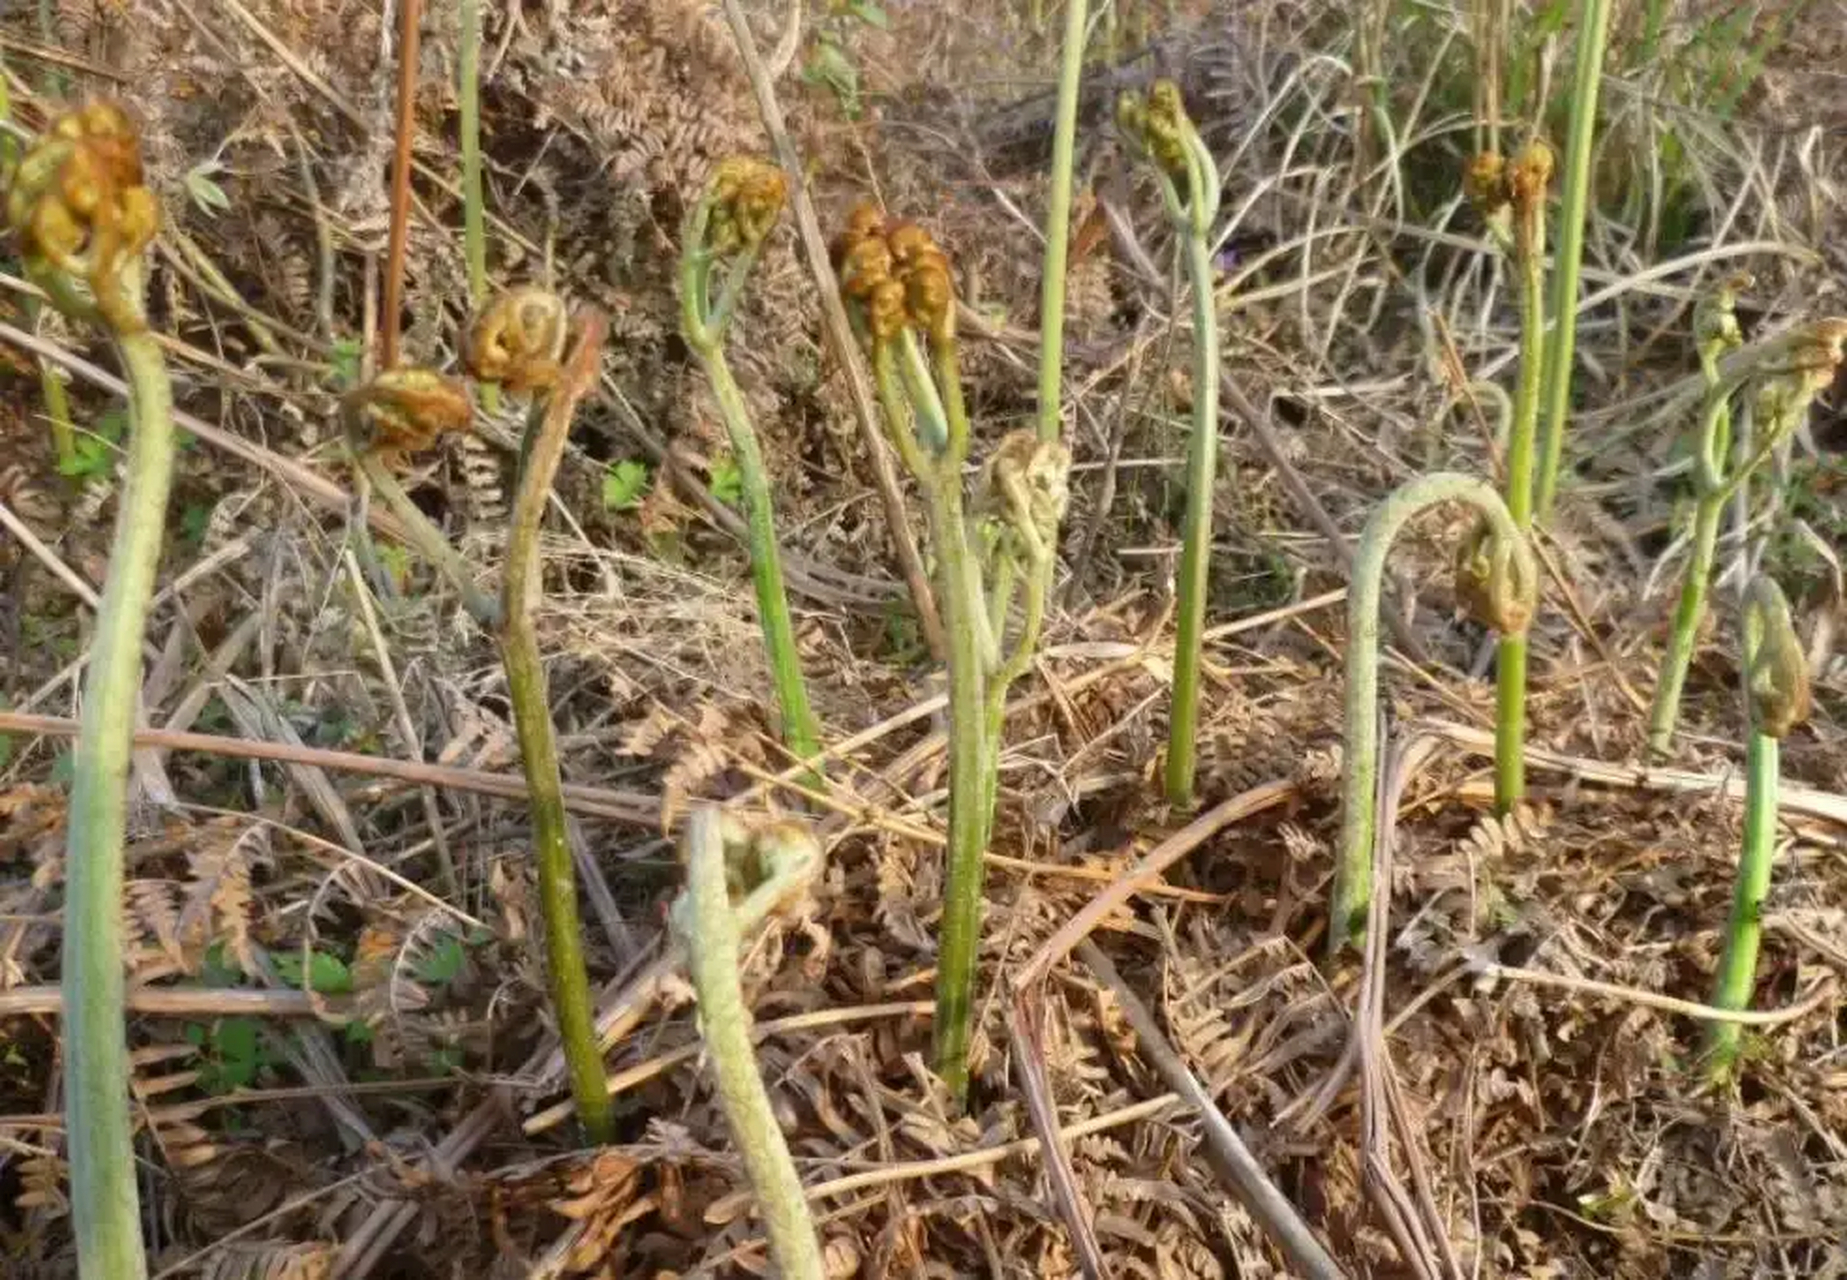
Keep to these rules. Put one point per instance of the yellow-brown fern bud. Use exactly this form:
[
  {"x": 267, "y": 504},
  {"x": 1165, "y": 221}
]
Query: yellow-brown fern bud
[
  {"x": 747, "y": 198},
  {"x": 519, "y": 339},
  {"x": 920, "y": 264},
  {"x": 1484, "y": 182},
  {"x": 405, "y": 410},
  {"x": 1776, "y": 670},
  {"x": 78, "y": 204},
  {"x": 1495, "y": 585}
]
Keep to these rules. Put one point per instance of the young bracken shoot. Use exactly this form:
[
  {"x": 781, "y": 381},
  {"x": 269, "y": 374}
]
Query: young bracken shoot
[
  {"x": 1159, "y": 131},
  {"x": 1513, "y": 199},
  {"x": 897, "y": 285},
  {"x": 526, "y": 689},
  {"x": 1776, "y": 678},
  {"x": 728, "y": 226},
  {"x": 83, "y": 218},
  {"x": 772, "y": 862},
  {"x": 1496, "y": 581},
  {"x": 1561, "y": 348},
  {"x": 1788, "y": 372}
]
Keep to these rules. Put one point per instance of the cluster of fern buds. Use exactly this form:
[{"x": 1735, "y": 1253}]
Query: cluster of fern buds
[
  {"x": 897, "y": 275},
  {"x": 83, "y": 214}
]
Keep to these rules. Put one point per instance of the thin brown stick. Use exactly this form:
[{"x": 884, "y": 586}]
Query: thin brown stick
[
  {"x": 1147, "y": 871},
  {"x": 597, "y": 802},
  {"x": 1225, "y": 1151},
  {"x": 410, "y": 36},
  {"x": 1026, "y": 1026},
  {"x": 839, "y": 333}
]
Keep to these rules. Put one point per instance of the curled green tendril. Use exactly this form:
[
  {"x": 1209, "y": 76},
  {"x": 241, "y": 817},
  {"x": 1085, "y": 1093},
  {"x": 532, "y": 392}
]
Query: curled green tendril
[{"x": 1776, "y": 669}]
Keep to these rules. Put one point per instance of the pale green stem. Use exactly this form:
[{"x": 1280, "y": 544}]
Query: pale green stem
[
  {"x": 1058, "y": 219},
  {"x": 1510, "y": 663},
  {"x": 1196, "y": 545},
  {"x": 1744, "y": 931},
  {"x": 532, "y": 719},
  {"x": 704, "y": 326},
  {"x": 959, "y": 939},
  {"x": 1352, "y": 895},
  {"x": 1688, "y": 613},
  {"x": 105, "y": 1210},
  {"x": 426, "y": 538},
  {"x": 474, "y": 204},
  {"x": 1593, "y": 36},
  {"x": 800, "y": 731},
  {"x": 724, "y": 1025}
]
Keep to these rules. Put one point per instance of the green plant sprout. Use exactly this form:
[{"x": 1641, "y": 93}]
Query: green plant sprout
[
  {"x": 83, "y": 217},
  {"x": 1776, "y": 682},
  {"x": 736, "y": 211},
  {"x": 1789, "y": 373},
  {"x": 1561, "y": 348},
  {"x": 1513, "y": 199},
  {"x": 1161, "y": 134},
  {"x": 1497, "y": 581},
  {"x": 770, "y": 862},
  {"x": 900, "y": 295},
  {"x": 542, "y": 450}
]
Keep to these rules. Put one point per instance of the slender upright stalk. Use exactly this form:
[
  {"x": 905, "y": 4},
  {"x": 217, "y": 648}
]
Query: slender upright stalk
[
  {"x": 801, "y": 732},
  {"x": 1777, "y": 697},
  {"x": 1160, "y": 130},
  {"x": 708, "y": 926},
  {"x": 1196, "y": 544},
  {"x": 410, "y": 39},
  {"x": 1505, "y": 597},
  {"x": 83, "y": 218},
  {"x": 1593, "y": 37},
  {"x": 739, "y": 207},
  {"x": 474, "y": 205},
  {"x": 1058, "y": 221},
  {"x": 532, "y": 718},
  {"x": 1527, "y": 195}
]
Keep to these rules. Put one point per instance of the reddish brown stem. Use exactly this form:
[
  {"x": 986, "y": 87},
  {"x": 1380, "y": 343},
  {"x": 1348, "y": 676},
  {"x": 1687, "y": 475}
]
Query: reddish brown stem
[{"x": 410, "y": 34}]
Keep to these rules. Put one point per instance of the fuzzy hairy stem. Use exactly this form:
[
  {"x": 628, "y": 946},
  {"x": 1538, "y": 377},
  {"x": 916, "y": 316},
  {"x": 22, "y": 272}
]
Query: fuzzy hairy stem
[
  {"x": 970, "y": 777},
  {"x": 1058, "y": 221},
  {"x": 105, "y": 1210},
  {"x": 724, "y": 1024},
  {"x": 1352, "y": 895},
  {"x": 526, "y": 689},
  {"x": 800, "y": 730},
  {"x": 1196, "y": 547},
  {"x": 1593, "y": 37}
]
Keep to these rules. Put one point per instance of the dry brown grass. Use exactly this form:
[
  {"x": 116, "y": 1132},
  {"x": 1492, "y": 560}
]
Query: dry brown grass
[{"x": 1558, "y": 1133}]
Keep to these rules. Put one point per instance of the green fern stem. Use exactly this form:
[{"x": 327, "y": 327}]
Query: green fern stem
[
  {"x": 1510, "y": 664},
  {"x": 1689, "y": 613},
  {"x": 1196, "y": 546},
  {"x": 532, "y": 720},
  {"x": 724, "y": 1025},
  {"x": 105, "y": 1209},
  {"x": 1744, "y": 930},
  {"x": 1352, "y": 894},
  {"x": 970, "y": 783},
  {"x": 1593, "y": 38},
  {"x": 800, "y": 730},
  {"x": 1058, "y": 220}
]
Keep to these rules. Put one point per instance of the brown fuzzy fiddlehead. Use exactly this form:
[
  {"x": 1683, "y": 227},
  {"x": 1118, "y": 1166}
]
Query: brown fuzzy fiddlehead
[
  {"x": 519, "y": 339},
  {"x": 405, "y": 410},
  {"x": 83, "y": 215}
]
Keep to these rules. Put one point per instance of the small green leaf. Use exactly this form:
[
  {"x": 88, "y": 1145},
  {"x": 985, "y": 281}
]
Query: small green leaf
[
  {"x": 358, "y": 1032},
  {"x": 217, "y": 970},
  {"x": 445, "y": 1060},
  {"x": 624, "y": 485},
  {"x": 201, "y": 184},
  {"x": 193, "y": 522},
  {"x": 346, "y": 356},
  {"x": 830, "y": 67},
  {"x": 441, "y": 964},
  {"x": 869, "y": 13},
  {"x": 727, "y": 481},
  {"x": 327, "y": 974}
]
